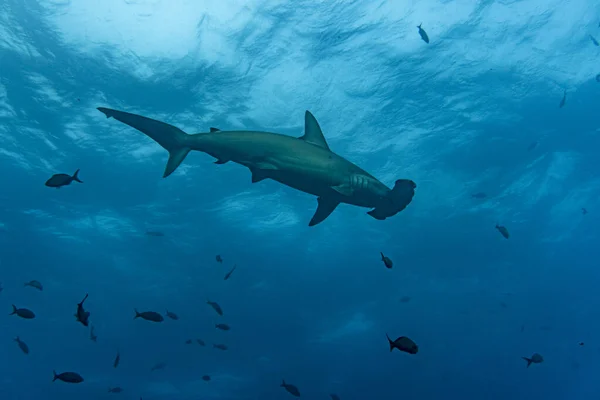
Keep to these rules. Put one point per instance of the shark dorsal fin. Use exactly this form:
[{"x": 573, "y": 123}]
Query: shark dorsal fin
[
  {"x": 312, "y": 131},
  {"x": 214, "y": 129}
]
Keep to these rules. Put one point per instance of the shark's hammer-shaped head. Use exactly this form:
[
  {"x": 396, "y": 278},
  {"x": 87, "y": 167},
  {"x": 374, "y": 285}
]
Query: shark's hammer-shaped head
[{"x": 396, "y": 200}]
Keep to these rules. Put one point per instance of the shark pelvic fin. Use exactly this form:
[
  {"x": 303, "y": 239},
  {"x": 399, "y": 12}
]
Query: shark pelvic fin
[
  {"x": 312, "y": 131},
  {"x": 324, "y": 209},
  {"x": 214, "y": 129},
  {"x": 171, "y": 138}
]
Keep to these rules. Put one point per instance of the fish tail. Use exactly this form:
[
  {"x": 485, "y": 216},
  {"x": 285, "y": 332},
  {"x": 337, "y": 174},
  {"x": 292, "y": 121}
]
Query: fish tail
[
  {"x": 55, "y": 376},
  {"x": 282, "y": 383},
  {"x": 391, "y": 342},
  {"x": 14, "y": 310},
  {"x": 382, "y": 256},
  {"x": 137, "y": 314},
  {"x": 75, "y": 177},
  {"x": 171, "y": 138},
  {"x": 529, "y": 361}
]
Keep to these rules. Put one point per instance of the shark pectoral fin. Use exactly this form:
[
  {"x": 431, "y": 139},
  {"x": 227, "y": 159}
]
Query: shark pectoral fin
[
  {"x": 221, "y": 161},
  {"x": 345, "y": 190},
  {"x": 312, "y": 131},
  {"x": 375, "y": 213},
  {"x": 214, "y": 129},
  {"x": 258, "y": 175},
  {"x": 324, "y": 209}
]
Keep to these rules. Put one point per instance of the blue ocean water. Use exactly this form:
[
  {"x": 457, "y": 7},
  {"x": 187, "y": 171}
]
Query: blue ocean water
[{"x": 475, "y": 110}]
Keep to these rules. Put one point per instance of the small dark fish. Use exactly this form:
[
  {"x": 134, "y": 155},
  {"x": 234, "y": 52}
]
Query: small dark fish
[
  {"x": 584, "y": 211},
  {"x": 219, "y": 259},
  {"x": 206, "y": 378},
  {"x": 117, "y": 360},
  {"x": 598, "y": 78},
  {"x": 215, "y": 306},
  {"x": 172, "y": 315},
  {"x": 533, "y": 145},
  {"x": 115, "y": 390},
  {"x": 564, "y": 100},
  {"x": 159, "y": 366},
  {"x": 403, "y": 344},
  {"x": 293, "y": 390},
  {"x": 334, "y": 396},
  {"x": 35, "y": 284},
  {"x": 1, "y": 288},
  {"x": 149, "y": 316},
  {"x": 423, "y": 34},
  {"x": 386, "y": 261},
  {"x": 581, "y": 344},
  {"x": 93, "y": 336},
  {"x": 22, "y": 345},
  {"x": 154, "y": 233},
  {"x": 535, "y": 359},
  {"x": 230, "y": 272},
  {"x": 81, "y": 315},
  {"x": 59, "y": 180},
  {"x": 219, "y": 346},
  {"x": 189, "y": 341},
  {"x": 69, "y": 377},
  {"x": 503, "y": 231},
  {"x": 22, "y": 312},
  {"x": 405, "y": 299},
  {"x": 479, "y": 195},
  {"x": 593, "y": 39},
  {"x": 200, "y": 342},
  {"x": 223, "y": 327},
  {"x": 503, "y": 304}
]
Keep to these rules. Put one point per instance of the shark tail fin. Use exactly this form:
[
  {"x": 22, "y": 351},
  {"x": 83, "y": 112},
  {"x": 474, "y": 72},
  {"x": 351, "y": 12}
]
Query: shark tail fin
[{"x": 171, "y": 138}]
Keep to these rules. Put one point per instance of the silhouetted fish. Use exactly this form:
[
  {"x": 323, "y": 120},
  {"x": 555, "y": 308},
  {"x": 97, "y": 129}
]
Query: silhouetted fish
[
  {"x": 69, "y": 377},
  {"x": 188, "y": 341},
  {"x": 230, "y": 272},
  {"x": 117, "y": 360},
  {"x": 206, "y": 378},
  {"x": 219, "y": 259},
  {"x": 219, "y": 346},
  {"x": 423, "y": 34},
  {"x": 93, "y": 336},
  {"x": 535, "y": 359},
  {"x": 479, "y": 195},
  {"x": 334, "y": 396},
  {"x": 115, "y": 390},
  {"x": 403, "y": 344},
  {"x": 81, "y": 315},
  {"x": 22, "y": 312},
  {"x": 200, "y": 342},
  {"x": 154, "y": 233},
  {"x": 293, "y": 390},
  {"x": 405, "y": 299},
  {"x": 593, "y": 39},
  {"x": 215, "y": 306},
  {"x": 563, "y": 100},
  {"x": 223, "y": 327},
  {"x": 22, "y": 345},
  {"x": 598, "y": 78},
  {"x": 533, "y": 145},
  {"x": 584, "y": 211},
  {"x": 59, "y": 180},
  {"x": 35, "y": 284},
  {"x": 503, "y": 231},
  {"x": 159, "y": 366},
  {"x": 149, "y": 316},
  {"x": 386, "y": 261},
  {"x": 172, "y": 315}
]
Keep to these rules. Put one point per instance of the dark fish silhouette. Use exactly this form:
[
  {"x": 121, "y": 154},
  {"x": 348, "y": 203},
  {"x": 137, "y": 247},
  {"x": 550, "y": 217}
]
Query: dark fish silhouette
[
  {"x": 503, "y": 231},
  {"x": 117, "y": 360},
  {"x": 81, "y": 315},
  {"x": 219, "y": 346},
  {"x": 584, "y": 211},
  {"x": 334, "y": 396},
  {"x": 219, "y": 259},
  {"x": 598, "y": 78},
  {"x": 215, "y": 306},
  {"x": 172, "y": 315},
  {"x": 293, "y": 390},
  {"x": 386, "y": 261},
  {"x": 59, "y": 180},
  {"x": 230, "y": 272},
  {"x": 223, "y": 327},
  {"x": 405, "y": 299},
  {"x": 479, "y": 195},
  {"x": 206, "y": 378},
  {"x": 159, "y": 366},
  {"x": 563, "y": 100},
  {"x": 154, "y": 233},
  {"x": 593, "y": 39},
  {"x": 69, "y": 377},
  {"x": 35, "y": 284},
  {"x": 93, "y": 336},
  {"x": 22, "y": 345},
  {"x": 403, "y": 344},
  {"x": 22, "y": 312},
  {"x": 423, "y": 34},
  {"x": 115, "y": 390},
  {"x": 533, "y": 145},
  {"x": 149, "y": 316},
  {"x": 200, "y": 342},
  {"x": 535, "y": 359}
]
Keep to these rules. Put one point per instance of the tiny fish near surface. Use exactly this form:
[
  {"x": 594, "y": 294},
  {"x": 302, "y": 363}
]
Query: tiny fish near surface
[
  {"x": 386, "y": 261},
  {"x": 423, "y": 34}
]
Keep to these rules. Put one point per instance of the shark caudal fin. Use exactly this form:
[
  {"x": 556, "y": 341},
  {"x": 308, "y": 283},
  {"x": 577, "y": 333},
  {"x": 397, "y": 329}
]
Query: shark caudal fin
[
  {"x": 397, "y": 200},
  {"x": 171, "y": 138}
]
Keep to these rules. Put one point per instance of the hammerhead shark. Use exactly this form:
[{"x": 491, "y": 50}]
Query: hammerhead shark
[{"x": 305, "y": 163}]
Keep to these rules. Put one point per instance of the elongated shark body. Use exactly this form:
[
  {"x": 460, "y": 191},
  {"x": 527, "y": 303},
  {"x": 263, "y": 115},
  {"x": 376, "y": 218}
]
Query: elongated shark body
[{"x": 306, "y": 163}]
